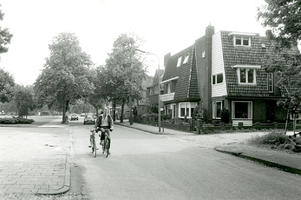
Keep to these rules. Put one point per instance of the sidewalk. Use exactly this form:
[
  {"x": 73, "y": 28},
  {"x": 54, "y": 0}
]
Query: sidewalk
[
  {"x": 34, "y": 161},
  {"x": 281, "y": 160}
]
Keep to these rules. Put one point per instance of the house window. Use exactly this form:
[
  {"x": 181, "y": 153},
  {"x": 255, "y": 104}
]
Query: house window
[
  {"x": 168, "y": 88},
  {"x": 186, "y": 59},
  {"x": 186, "y": 109},
  {"x": 203, "y": 54},
  {"x": 270, "y": 82},
  {"x": 179, "y": 62},
  {"x": 217, "y": 110},
  {"x": 242, "y": 41},
  {"x": 242, "y": 110},
  {"x": 246, "y": 76},
  {"x": 217, "y": 78}
]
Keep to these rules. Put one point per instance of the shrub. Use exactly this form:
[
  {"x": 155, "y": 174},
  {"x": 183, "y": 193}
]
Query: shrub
[
  {"x": 276, "y": 140},
  {"x": 225, "y": 116},
  {"x": 16, "y": 120}
]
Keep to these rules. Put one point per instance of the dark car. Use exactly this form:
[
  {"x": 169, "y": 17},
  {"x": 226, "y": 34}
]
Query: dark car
[
  {"x": 89, "y": 120},
  {"x": 73, "y": 117}
]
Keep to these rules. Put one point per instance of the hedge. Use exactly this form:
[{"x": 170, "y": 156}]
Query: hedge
[{"x": 16, "y": 120}]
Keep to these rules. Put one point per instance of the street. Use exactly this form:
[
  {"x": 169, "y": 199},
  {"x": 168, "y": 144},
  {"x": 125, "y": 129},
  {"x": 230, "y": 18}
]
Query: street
[
  {"x": 141, "y": 166},
  {"x": 147, "y": 166}
]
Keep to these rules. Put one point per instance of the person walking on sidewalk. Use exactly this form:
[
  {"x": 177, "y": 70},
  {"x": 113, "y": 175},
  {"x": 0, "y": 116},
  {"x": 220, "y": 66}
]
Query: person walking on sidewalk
[{"x": 104, "y": 123}]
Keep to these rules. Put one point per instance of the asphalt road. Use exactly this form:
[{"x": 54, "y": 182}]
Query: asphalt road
[{"x": 147, "y": 166}]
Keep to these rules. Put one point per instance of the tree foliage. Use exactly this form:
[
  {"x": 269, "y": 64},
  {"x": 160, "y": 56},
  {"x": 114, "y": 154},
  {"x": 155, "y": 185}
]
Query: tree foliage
[
  {"x": 65, "y": 77},
  {"x": 122, "y": 77},
  {"x": 124, "y": 73},
  {"x": 23, "y": 98},
  {"x": 7, "y": 84},
  {"x": 283, "y": 17},
  {"x": 5, "y": 36}
]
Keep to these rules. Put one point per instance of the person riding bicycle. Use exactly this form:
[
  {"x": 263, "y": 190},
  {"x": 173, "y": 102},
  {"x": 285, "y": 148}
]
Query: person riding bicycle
[{"x": 104, "y": 122}]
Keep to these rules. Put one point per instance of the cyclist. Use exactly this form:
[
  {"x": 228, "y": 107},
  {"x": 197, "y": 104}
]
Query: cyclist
[{"x": 104, "y": 122}]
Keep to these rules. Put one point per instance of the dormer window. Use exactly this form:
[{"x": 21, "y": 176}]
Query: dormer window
[
  {"x": 179, "y": 62},
  {"x": 186, "y": 59},
  {"x": 242, "y": 39}
]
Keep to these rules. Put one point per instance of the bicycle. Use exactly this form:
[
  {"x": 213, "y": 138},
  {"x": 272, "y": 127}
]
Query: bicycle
[
  {"x": 93, "y": 142},
  {"x": 105, "y": 144}
]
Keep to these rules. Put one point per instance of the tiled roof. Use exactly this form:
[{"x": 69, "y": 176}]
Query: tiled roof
[
  {"x": 187, "y": 85},
  {"x": 239, "y": 55}
]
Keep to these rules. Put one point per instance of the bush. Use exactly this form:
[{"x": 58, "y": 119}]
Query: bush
[
  {"x": 276, "y": 140},
  {"x": 16, "y": 120}
]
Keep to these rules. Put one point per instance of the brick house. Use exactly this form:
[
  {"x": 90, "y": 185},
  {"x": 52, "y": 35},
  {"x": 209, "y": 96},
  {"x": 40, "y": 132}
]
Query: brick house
[
  {"x": 152, "y": 90},
  {"x": 223, "y": 70}
]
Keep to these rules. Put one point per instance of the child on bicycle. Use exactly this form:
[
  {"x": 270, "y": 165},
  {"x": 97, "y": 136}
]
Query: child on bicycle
[{"x": 104, "y": 122}]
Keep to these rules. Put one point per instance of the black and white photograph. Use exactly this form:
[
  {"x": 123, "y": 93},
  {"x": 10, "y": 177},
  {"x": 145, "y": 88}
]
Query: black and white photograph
[{"x": 150, "y": 99}]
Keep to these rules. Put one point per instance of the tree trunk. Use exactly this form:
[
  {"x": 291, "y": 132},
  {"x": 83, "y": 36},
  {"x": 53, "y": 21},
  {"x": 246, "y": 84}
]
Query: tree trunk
[
  {"x": 286, "y": 121},
  {"x": 114, "y": 110},
  {"x": 65, "y": 109},
  {"x": 122, "y": 111},
  {"x": 131, "y": 110},
  {"x": 64, "y": 114}
]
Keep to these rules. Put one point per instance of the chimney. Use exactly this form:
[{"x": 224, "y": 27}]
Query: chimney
[
  {"x": 209, "y": 31},
  {"x": 166, "y": 57}
]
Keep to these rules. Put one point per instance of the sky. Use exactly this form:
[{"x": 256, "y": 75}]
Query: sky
[{"x": 164, "y": 25}]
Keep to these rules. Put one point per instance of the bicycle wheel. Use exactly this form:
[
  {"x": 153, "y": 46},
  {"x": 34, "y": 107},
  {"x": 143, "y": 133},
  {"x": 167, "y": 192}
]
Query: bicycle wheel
[
  {"x": 94, "y": 145},
  {"x": 107, "y": 146}
]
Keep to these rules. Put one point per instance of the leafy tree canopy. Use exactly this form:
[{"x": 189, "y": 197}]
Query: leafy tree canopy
[
  {"x": 65, "y": 77},
  {"x": 123, "y": 75},
  {"x": 5, "y": 36},
  {"x": 283, "y": 17},
  {"x": 23, "y": 98},
  {"x": 7, "y": 84}
]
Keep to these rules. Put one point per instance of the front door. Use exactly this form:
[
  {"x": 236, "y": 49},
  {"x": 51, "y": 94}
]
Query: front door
[{"x": 270, "y": 109}]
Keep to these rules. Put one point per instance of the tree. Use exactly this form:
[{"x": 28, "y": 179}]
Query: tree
[
  {"x": 65, "y": 77},
  {"x": 123, "y": 74},
  {"x": 23, "y": 98},
  {"x": 96, "y": 98},
  {"x": 5, "y": 36},
  {"x": 283, "y": 17},
  {"x": 7, "y": 84}
]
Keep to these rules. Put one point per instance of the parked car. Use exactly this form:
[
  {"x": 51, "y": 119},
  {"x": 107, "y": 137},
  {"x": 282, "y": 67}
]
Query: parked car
[
  {"x": 83, "y": 114},
  {"x": 89, "y": 120},
  {"x": 73, "y": 117}
]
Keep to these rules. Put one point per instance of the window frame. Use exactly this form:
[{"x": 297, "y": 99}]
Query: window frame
[
  {"x": 250, "y": 110},
  {"x": 270, "y": 80},
  {"x": 186, "y": 58},
  {"x": 214, "y": 109},
  {"x": 179, "y": 61},
  {"x": 242, "y": 38},
  {"x": 187, "y": 109},
  {"x": 246, "y": 76},
  {"x": 214, "y": 79}
]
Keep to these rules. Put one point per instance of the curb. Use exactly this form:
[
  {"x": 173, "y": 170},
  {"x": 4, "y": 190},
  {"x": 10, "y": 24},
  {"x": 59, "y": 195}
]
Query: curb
[
  {"x": 264, "y": 162},
  {"x": 65, "y": 188},
  {"x": 140, "y": 129}
]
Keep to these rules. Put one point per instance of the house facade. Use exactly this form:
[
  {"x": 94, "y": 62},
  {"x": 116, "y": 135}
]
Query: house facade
[
  {"x": 221, "y": 71},
  {"x": 153, "y": 90}
]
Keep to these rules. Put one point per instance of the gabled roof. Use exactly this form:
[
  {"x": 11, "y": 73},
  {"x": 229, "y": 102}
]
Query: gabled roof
[
  {"x": 187, "y": 85},
  {"x": 236, "y": 55},
  {"x": 158, "y": 73}
]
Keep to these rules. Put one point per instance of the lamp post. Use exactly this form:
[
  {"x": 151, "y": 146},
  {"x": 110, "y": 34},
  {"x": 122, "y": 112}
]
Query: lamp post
[{"x": 159, "y": 102}]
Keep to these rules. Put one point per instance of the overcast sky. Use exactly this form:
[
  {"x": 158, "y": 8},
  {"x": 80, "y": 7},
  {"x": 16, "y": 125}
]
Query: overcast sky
[{"x": 165, "y": 25}]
